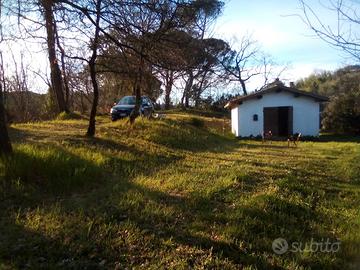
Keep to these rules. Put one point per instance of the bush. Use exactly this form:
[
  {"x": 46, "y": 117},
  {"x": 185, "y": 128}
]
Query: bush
[
  {"x": 197, "y": 122},
  {"x": 342, "y": 114},
  {"x": 68, "y": 116}
]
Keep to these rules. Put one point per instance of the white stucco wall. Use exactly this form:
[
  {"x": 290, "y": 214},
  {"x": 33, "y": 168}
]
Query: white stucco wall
[
  {"x": 235, "y": 121},
  {"x": 305, "y": 114}
]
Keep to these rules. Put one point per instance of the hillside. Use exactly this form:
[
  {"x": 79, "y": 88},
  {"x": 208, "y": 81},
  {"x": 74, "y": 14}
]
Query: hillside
[
  {"x": 332, "y": 83},
  {"x": 176, "y": 193}
]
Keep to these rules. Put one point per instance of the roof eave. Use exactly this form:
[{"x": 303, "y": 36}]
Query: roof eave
[{"x": 236, "y": 102}]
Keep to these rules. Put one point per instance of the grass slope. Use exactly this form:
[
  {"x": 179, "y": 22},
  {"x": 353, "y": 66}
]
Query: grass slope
[{"x": 173, "y": 194}]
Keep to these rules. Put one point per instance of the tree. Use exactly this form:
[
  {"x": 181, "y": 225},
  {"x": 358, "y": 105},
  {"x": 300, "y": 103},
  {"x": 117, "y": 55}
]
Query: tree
[
  {"x": 176, "y": 55},
  {"x": 207, "y": 75},
  {"x": 344, "y": 33},
  {"x": 118, "y": 69},
  {"x": 5, "y": 144},
  {"x": 198, "y": 56},
  {"x": 137, "y": 27},
  {"x": 169, "y": 82},
  {"x": 21, "y": 104},
  {"x": 331, "y": 83},
  {"x": 240, "y": 65},
  {"x": 342, "y": 114},
  {"x": 55, "y": 72},
  {"x": 245, "y": 60},
  {"x": 322, "y": 83},
  {"x": 193, "y": 59},
  {"x": 33, "y": 17},
  {"x": 92, "y": 69}
]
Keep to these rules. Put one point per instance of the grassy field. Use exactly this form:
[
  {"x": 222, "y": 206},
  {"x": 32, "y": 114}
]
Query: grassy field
[{"x": 177, "y": 193}]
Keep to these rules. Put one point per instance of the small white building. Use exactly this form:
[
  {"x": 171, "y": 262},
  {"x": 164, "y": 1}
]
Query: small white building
[{"x": 282, "y": 110}]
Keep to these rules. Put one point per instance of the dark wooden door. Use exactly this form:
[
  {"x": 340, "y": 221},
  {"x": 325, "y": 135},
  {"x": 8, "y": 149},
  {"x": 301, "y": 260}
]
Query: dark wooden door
[
  {"x": 278, "y": 120},
  {"x": 290, "y": 121},
  {"x": 271, "y": 120}
]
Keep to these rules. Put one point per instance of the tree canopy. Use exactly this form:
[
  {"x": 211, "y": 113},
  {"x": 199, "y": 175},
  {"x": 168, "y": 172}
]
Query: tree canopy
[{"x": 342, "y": 113}]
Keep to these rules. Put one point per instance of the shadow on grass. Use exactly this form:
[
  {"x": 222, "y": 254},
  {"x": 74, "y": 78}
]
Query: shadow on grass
[
  {"x": 338, "y": 138},
  {"x": 266, "y": 145},
  {"x": 23, "y": 248},
  {"x": 57, "y": 170},
  {"x": 174, "y": 134},
  {"x": 50, "y": 168},
  {"x": 182, "y": 135},
  {"x": 198, "y": 112},
  {"x": 37, "y": 169},
  {"x": 321, "y": 138},
  {"x": 128, "y": 224},
  {"x": 122, "y": 222}
]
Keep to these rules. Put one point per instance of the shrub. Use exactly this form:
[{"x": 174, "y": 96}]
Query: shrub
[
  {"x": 342, "y": 115},
  {"x": 68, "y": 116},
  {"x": 197, "y": 122}
]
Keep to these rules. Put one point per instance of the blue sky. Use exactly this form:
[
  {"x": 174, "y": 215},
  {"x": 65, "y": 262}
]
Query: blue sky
[
  {"x": 282, "y": 34},
  {"x": 273, "y": 23}
]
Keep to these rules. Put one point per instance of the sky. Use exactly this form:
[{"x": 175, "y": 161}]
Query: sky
[{"x": 276, "y": 25}]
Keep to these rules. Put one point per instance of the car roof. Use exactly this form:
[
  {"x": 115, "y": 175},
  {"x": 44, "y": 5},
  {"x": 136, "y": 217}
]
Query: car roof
[{"x": 134, "y": 96}]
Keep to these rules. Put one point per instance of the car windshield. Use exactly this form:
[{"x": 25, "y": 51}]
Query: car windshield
[{"x": 130, "y": 100}]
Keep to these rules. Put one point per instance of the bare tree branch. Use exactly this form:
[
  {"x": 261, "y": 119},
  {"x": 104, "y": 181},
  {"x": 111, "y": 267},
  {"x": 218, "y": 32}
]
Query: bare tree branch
[{"x": 345, "y": 35}]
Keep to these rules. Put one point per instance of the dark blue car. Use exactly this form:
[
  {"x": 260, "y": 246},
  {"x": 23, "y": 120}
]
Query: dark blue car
[{"x": 126, "y": 105}]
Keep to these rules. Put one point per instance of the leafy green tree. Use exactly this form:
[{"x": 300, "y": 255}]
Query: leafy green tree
[
  {"x": 331, "y": 83},
  {"x": 321, "y": 83},
  {"x": 342, "y": 114}
]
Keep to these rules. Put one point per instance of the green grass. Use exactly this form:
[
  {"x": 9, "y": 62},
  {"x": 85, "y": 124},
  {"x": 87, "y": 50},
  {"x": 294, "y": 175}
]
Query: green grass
[
  {"x": 178, "y": 193},
  {"x": 68, "y": 116}
]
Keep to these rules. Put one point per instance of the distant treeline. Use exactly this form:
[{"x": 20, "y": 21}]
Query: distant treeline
[{"x": 27, "y": 106}]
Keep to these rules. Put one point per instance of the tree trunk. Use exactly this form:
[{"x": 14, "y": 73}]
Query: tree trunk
[
  {"x": 63, "y": 68},
  {"x": 197, "y": 100},
  {"x": 92, "y": 121},
  {"x": 82, "y": 104},
  {"x": 137, "y": 92},
  {"x": 55, "y": 72},
  {"x": 199, "y": 90},
  {"x": 187, "y": 90},
  {"x": 5, "y": 144},
  {"x": 135, "y": 112},
  {"x": 168, "y": 87},
  {"x": 243, "y": 87},
  {"x": 92, "y": 68},
  {"x": 183, "y": 99}
]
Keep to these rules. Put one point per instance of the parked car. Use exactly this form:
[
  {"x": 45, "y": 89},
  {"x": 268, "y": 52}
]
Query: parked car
[{"x": 126, "y": 105}]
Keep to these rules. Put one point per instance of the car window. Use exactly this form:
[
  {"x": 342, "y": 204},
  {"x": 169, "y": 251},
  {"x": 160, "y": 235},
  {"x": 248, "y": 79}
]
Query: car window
[{"x": 130, "y": 100}]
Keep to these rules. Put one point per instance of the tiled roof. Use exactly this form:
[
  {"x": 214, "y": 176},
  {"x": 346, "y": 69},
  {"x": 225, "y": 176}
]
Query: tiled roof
[{"x": 274, "y": 87}]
